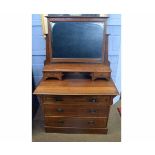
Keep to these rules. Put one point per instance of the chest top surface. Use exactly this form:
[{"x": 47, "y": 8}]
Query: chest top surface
[{"x": 76, "y": 87}]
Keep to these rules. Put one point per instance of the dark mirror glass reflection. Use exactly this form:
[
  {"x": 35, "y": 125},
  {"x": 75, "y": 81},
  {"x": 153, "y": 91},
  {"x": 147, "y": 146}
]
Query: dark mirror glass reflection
[{"x": 77, "y": 39}]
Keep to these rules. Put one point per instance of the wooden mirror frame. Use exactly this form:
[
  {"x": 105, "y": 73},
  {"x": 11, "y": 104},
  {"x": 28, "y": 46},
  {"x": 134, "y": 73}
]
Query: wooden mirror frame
[{"x": 49, "y": 51}]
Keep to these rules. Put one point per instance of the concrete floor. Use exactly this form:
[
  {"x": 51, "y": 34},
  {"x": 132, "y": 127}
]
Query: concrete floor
[{"x": 114, "y": 131}]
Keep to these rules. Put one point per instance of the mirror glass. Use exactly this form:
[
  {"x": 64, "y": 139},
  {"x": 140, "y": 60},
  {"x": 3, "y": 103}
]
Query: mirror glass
[{"x": 77, "y": 39}]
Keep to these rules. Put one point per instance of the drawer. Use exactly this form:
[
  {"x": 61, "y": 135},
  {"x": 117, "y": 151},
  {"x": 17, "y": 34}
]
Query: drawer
[
  {"x": 80, "y": 122},
  {"x": 77, "y": 99},
  {"x": 76, "y": 110},
  {"x": 76, "y": 130}
]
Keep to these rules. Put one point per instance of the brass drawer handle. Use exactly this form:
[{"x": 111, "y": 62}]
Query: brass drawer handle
[
  {"x": 93, "y": 100},
  {"x": 61, "y": 122},
  {"x": 92, "y": 111},
  {"x": 58, "y": 99},
  {"x": 91, "y": 122},
  {"x": 59, "y": 110}
]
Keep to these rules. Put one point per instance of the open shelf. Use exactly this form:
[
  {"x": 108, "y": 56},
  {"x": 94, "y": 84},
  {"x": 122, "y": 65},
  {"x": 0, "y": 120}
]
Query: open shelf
[{"x": 58, "y": 70}]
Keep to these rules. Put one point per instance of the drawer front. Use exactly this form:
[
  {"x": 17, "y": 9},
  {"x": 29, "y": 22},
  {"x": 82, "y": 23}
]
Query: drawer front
[
  {"x": 76, "y": 110},
  {"x": 77, "y": 99},
  {"x": 76, "y": 130},
  {"x": 80, "y": 122}
]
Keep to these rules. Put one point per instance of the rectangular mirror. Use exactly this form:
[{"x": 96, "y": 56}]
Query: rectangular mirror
[{"x": 77, "y": 39}]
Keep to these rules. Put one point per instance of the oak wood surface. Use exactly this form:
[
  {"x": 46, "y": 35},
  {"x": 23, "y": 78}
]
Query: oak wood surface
[
  {"x": 76, "y": 105},
  {"x": 57, "y": 75},
  {"x": 70, "y": 130},
  {"x": 76, "y": 87},
  {"x": 75, "y": 67},
  {"x": 77, "y": 19},
  {"x": 77, "y": 60},
  {"x": 84, "y": 122},
  {"x": 76, "y": 110},
  {"x": 77, "y": 100}
]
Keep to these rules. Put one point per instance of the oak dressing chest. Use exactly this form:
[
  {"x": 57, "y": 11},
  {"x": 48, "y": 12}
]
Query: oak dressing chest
[{"x": 76, "y": 92}]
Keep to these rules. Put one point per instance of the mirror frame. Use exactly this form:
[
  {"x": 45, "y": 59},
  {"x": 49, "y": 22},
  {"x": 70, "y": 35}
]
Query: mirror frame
[{"x": 49, "y": 51}]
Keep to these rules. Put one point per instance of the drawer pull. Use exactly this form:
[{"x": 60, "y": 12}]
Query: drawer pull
[
  {"x": 92, "y": 111},
  {"x": 61, "y": 122},
  {"x": 91, "y": 122},
  {"x": 60, "y": 110},
  {"x": 93, "y": 100},
  {"x": 58, "y": 99}
]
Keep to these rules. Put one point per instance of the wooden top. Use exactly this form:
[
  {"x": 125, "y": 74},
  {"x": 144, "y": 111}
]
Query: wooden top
[
  {"x": 76, "y": 87},
  {"x": 73, "y": 67},
  {"x": 73, "y": 16}
]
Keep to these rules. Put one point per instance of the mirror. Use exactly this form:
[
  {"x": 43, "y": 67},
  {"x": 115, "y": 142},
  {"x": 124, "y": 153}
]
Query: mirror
[{"x": 77, "y": 39}]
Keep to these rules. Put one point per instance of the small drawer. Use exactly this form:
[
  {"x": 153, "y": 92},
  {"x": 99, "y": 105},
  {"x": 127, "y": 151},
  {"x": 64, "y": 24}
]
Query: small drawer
[
  {"x": 77, "y": 99},
  {"x": 76, "y": 110},
  {"x": 80, "y": 122}
]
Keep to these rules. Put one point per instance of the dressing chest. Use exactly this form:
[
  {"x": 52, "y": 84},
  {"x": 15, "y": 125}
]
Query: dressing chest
[{"x": 76, "y": 90}]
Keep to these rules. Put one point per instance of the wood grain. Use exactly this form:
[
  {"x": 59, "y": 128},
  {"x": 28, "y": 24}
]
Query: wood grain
[
  {"x": 76, "y": 87},
  {"x": 70, "y": 130},
  {"x": 77, "y": 100},
  {"x": 59, "y": 69},
  {"x": 76, "y": 110},
  {"x": 77, "y": 19},
  {"x": 84, "y": 122},
  {"x": 75, "y": 67}
]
